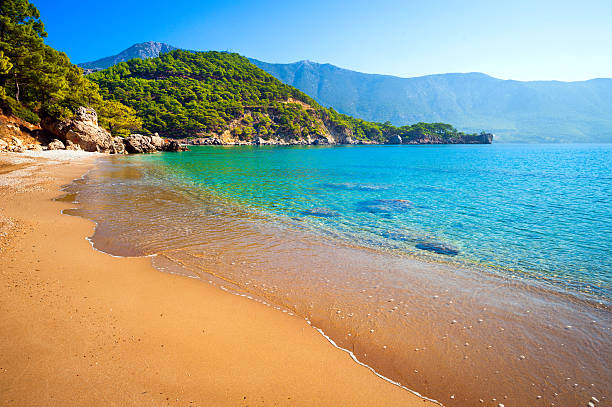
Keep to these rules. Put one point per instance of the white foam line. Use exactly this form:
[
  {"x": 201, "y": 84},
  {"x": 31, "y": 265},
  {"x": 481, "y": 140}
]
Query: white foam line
[{"x": 370, "y": 367}]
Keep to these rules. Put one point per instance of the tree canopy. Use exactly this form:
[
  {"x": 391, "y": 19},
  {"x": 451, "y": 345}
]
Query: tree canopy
[{"x": 35, "y": 79}]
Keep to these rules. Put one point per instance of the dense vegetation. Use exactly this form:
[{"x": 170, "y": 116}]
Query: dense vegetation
[
  {"x": 382, "y": 132},
  {"x": 38, "y": 81},
  {"x": 184, "y": 93}
]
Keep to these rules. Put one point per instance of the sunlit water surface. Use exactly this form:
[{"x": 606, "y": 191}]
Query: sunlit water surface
[{"x": 477, "y": 272}]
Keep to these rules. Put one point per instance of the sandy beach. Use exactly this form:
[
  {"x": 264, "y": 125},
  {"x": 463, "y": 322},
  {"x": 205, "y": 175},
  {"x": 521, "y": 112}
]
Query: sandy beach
[{"x": 80, "y": 327}]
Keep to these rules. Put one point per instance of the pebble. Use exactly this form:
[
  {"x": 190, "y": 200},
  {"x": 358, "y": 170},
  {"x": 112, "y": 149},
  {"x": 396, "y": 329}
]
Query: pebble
[
  {"x": 480, "y": 320},
  {"x": 522, "y": 357},
  {"x": 590, "y": 404},
  {"x": 538, "y": 397},
  {"x": 371, "y": 331},
  {"x": 594, "y": 399},
  {"x": 454, "y": 321}
]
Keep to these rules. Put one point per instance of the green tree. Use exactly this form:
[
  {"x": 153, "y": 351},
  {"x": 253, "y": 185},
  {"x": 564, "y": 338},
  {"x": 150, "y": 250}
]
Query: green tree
[
  {"x": 119, "y": 119},
  {"x": 36, "y": 78},
  {"x": 21, "y": 40}
]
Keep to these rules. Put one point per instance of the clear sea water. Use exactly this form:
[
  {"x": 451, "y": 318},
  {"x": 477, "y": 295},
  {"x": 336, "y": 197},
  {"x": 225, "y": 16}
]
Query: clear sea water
[
  {"x": 540, "y": 212},
  {"x": 517, "y": 302}
]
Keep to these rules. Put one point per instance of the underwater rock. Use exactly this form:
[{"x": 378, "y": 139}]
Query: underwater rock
[
  {"x": 384, "y": 206},
  {"x": 437, "y": 247},
  {"x": 320, "y": 212}
]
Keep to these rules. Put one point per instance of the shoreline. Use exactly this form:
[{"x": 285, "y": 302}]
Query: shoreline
[
  {"x": 440, "y": 344},
  {"x": 83, "y": 327}
]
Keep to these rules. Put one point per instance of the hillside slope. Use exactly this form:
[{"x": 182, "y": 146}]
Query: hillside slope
[
  {"x": 223, "y": 96},
  {"x": 542, "y": 111}
]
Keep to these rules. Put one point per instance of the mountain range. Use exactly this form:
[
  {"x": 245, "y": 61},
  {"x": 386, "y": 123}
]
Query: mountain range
[{"x": 516, "y": 111}]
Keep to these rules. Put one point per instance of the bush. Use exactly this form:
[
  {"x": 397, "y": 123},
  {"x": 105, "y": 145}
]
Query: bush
[{"x": 11, "y": 107}]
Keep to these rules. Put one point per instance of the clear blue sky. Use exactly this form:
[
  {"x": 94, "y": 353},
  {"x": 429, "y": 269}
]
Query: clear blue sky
[{"x": 523, "y": 40}]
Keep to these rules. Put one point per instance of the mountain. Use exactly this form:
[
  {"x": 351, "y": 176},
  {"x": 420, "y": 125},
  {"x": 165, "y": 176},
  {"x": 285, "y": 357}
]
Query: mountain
[
  {"x": 223, "y": 97},
  {"x": 539, "y": 111},
  {"x": 143, "y": 50}
]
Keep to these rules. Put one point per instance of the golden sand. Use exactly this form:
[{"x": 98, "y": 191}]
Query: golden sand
[{"x": 80, "y": 327}]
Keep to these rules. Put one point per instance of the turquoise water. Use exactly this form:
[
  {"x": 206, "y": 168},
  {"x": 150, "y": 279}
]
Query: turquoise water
[
  {"x": 535, "y": 211},
  {"x": 331, "y": 234}
]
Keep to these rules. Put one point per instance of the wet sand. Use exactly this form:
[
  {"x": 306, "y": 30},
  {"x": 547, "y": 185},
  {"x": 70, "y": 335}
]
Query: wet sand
[{"x": 80, "y": 327}]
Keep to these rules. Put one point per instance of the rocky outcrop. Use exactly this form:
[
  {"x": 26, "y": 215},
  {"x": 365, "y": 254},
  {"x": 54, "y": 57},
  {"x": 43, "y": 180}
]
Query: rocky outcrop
[
  {"x": 482, "y": 138},
  {"x": 82, "y": 130},
  {"x": 56, "y": 145},
  {"x": 16, "y": 135},
  {"x": 118, "y": 146},
  {"x": 396, "y": 139},
  {"x": 139, "y": 144}
]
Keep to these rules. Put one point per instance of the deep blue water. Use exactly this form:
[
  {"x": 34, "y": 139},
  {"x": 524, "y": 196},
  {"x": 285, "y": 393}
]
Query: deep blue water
[{"x": 541, "y": 212}]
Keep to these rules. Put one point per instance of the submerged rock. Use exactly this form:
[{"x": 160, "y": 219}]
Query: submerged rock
[
  {"x": 437, "y": 247},
  {"x": 349, "y": 186},
  {"x": 384, "y": 206},
  {"x": 321, "y": 212}
]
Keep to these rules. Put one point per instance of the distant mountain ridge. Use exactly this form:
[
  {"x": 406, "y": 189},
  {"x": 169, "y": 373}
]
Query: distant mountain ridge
[
  {"x": 539, "y": 111},
  {"x": 144, "y": 50}
]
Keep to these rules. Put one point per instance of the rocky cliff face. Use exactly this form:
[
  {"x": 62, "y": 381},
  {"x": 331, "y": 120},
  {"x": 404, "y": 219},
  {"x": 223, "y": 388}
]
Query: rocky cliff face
[
  {"x": 483, "y": 138},
  {"x": 150, "y": 49},
  {"x": 17, "y": 135}
]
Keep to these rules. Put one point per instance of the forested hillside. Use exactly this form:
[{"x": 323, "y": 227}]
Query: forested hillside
[{"x": 204, "y": 94}]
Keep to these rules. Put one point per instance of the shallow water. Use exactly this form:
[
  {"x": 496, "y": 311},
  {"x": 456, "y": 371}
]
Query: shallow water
[{"x": 517, "y": 305}]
